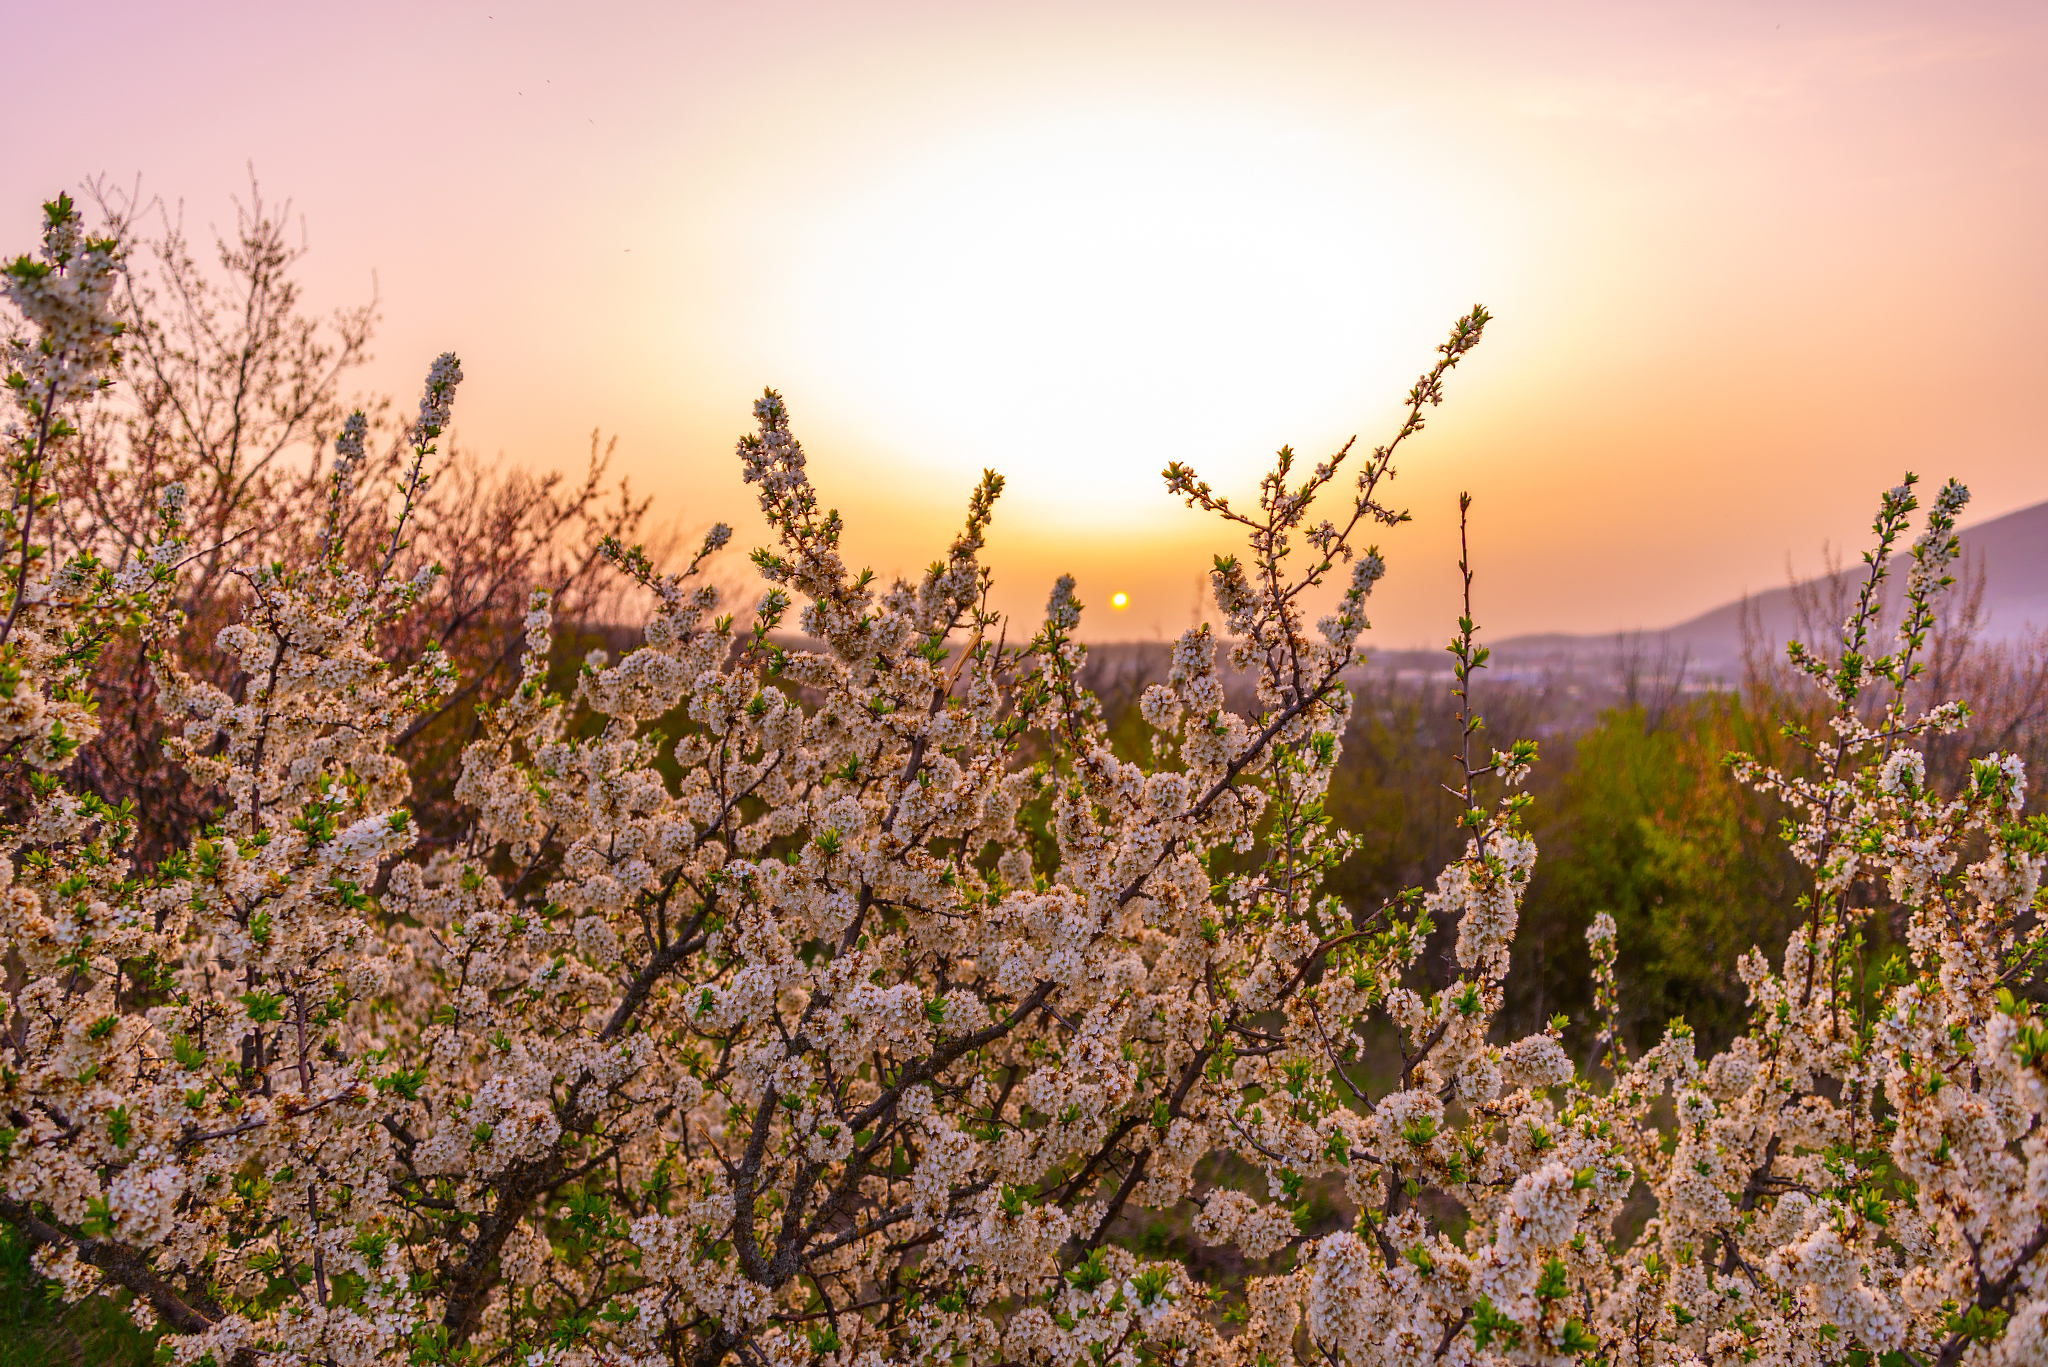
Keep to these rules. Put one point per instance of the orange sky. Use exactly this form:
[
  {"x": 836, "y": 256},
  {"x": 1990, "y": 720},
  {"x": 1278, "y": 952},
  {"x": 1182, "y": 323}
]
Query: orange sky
[{"x": 1748, "y": 261}]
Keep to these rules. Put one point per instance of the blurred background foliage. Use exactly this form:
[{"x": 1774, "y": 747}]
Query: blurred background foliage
[
  {"x": 39, "y": 1330},
  {"x": 1636, "y": 811}
]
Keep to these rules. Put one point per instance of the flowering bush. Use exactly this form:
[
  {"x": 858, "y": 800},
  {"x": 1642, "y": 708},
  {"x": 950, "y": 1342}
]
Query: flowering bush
[
  {"x": 225, "y": 386},
  {"x": 855, "y": 1020}
]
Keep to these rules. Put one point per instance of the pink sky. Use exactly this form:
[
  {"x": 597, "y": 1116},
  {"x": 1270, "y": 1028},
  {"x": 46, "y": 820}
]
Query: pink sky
[{"x": 1749, "y": 261}]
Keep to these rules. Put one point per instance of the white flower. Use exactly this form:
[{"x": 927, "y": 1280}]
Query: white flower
[{"x": 1905, "y": 773}]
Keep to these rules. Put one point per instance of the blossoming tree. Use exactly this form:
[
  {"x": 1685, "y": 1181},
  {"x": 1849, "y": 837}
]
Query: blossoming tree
[{"x": 851, "y": 1022}]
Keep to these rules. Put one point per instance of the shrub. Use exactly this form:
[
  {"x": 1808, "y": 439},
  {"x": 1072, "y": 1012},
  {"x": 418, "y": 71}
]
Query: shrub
[{"x": 856, "y": 1039}]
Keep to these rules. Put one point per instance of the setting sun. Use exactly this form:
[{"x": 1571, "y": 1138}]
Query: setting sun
[
  {"x": 1122, "y": 256},
  {"x": 1119, "y": 600}
]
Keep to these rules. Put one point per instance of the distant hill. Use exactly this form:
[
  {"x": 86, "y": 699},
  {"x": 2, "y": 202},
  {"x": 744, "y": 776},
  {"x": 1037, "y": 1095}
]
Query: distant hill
[{"x": 2010, "y": 552}]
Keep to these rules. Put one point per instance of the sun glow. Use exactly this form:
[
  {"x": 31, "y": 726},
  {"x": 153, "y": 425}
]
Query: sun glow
[
  {"x": 1076, "y": 301},
  {"x": 1119, "y": 601}
]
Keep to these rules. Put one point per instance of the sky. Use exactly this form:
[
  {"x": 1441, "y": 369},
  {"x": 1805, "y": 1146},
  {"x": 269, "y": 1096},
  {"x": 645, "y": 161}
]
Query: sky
[{"x": 1748, "y": 261}]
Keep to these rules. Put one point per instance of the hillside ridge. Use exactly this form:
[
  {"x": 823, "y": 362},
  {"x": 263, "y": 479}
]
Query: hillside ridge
[{"x": 2010, "y": 552}]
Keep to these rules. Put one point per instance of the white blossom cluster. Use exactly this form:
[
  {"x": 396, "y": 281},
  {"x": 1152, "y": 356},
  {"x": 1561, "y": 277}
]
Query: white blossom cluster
[
  {"x": 854, "y": 1002},
  {"x": 63, "y": 295},
  {"x": 55, "y": 618}
]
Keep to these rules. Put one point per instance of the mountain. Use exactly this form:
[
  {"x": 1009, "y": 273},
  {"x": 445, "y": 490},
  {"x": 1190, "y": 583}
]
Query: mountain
[{"x": 2010, "y": 553}]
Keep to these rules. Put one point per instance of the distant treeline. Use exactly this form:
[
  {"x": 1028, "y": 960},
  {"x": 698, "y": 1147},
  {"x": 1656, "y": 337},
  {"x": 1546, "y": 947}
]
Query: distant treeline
[{"x": 1636, "y": 812}]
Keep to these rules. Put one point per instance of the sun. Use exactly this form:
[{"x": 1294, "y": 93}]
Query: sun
[
  {"x": 1071, "y": 300},
  {"x": 1119, "y": 600}
]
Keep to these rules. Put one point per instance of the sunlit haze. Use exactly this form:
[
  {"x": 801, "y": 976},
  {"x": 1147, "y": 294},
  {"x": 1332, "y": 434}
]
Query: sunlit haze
[{"x": 1748, "y": 261}]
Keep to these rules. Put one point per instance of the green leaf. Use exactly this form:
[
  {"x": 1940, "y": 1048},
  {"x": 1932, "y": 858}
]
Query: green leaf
[{"x": 262, "y": 1006}]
